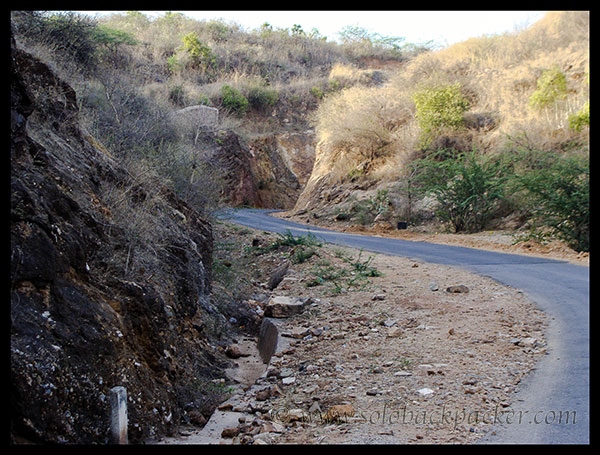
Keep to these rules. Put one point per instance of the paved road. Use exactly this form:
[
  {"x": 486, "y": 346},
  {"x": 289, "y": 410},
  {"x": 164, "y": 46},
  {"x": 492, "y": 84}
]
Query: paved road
[{"x": 552, "y": 406}]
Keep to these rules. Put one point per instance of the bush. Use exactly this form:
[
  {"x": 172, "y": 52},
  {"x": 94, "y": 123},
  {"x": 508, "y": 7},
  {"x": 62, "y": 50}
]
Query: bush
[
  {"x": 199, "y": 53},
  {"x": 580, "y": 119},
  {"x": 261, "y": 97},
  {"x": 558, "y": 198},
  {"x": 468, "y": 188},
  {"x": 551, "y": 87},
  {"x": 439, "y": 108},
  {"x": 234, "y": 100}
]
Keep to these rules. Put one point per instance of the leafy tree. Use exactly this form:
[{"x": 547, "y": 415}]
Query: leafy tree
[
  {"x": 297, "y": 30},
  {"x": 580, "y": 119}
]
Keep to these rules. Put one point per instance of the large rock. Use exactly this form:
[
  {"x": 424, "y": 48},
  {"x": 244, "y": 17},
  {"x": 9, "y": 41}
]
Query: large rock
[{"x": 284, "y": 307}]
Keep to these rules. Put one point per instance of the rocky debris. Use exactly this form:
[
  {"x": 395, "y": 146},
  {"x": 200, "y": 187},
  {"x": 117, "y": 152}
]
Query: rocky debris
[
  {"x": 443, "y": 351},
  {"x": 230, "y": 432},
  {"x": 394, "y": 332}
]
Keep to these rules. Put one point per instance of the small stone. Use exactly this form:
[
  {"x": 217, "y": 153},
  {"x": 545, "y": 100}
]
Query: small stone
[
  {"x": 233, "y": 352},
  {"x": 317, "y": 332},
  {"x": 460, "y": 289},
  {"x": 230, "y": 432},
  {"x": 433, "y": 286},
  {"x": 288, "y": 380},
  {"x": 402, "y": 373},
  {"x": 378, "y": 297},
  {"x": 394, "y": 332},
  {"x": 340, "y": 412},
  {"x": 263, "y": 395},
  {"x": 425, "y": 391},
  {"x": 286, "y": 372},
  {"x": 294, "y": 415}
]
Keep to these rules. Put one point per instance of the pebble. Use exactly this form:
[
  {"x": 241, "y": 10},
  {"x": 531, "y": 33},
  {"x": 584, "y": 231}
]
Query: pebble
[{"x": 425, "y": 391}]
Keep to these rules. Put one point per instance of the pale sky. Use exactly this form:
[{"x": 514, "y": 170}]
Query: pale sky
[{"x": 443, "y": 27}]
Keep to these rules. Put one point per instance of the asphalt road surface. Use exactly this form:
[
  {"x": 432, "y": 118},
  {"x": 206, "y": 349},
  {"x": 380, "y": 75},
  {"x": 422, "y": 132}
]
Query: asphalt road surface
[{"x": 552, "y": 405}]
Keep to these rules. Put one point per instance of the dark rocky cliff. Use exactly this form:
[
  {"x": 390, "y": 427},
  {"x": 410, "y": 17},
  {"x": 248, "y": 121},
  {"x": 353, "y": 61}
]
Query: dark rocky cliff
[{"x": 96, "y": 301}]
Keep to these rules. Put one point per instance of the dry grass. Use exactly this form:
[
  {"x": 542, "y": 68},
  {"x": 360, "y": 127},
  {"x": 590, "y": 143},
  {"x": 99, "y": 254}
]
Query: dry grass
[{"x": 497, "y": 74}]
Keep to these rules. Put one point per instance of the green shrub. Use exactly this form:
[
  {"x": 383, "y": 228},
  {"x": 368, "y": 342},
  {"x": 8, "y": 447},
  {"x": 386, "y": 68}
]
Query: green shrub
[
  {"x": 551, "y": 87},
  {"x": 174, "y": 64},
  {"x": 177, "y": 95},
  {"x": 261, "y": 97},
  {"x": 580, "y": 119},
  {"x": 558, "y": 197},
  {"x": 468, "y": 188},
  {"x": 112, "y": 38},
  {"x": 200, "y": 54},
  {"x": 234, "y": 100},
  {"x": 317, "y": 92},
  {"x": 439, "y": 108}
]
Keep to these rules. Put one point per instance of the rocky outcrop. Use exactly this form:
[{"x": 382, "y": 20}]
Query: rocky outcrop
[
  {"x": 98, "y": 300},
  {"x": 267, "y": 172}
]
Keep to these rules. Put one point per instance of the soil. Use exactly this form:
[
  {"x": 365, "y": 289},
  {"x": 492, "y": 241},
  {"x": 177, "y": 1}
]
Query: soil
[{"x": 398, "y": 357}]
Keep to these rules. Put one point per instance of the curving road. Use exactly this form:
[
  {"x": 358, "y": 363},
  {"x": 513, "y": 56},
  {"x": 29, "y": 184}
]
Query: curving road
[{"x": 552, "y": 406}]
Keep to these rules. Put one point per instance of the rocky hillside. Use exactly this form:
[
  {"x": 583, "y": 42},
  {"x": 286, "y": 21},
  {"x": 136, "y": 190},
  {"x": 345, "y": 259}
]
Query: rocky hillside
[{"x": 110, "y": 281}]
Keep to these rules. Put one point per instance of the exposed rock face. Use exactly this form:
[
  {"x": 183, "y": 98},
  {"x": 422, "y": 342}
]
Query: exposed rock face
[
  {"x": 268, "y": 172},
  {"x": 85, "y": 317}
]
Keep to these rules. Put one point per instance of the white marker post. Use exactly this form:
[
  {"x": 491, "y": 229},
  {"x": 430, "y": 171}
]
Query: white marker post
[{"x": 118, "y": 415}]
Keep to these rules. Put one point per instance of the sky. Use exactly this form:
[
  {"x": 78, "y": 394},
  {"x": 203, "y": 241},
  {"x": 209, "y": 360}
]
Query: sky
[{"x": 442, "y": 27}]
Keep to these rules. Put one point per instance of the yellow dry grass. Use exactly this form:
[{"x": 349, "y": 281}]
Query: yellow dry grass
[{"x": 497, "y": 73}]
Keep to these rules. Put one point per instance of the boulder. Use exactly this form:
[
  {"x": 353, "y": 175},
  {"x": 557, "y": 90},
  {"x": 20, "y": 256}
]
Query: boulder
[{"x": 284, "y": 306}]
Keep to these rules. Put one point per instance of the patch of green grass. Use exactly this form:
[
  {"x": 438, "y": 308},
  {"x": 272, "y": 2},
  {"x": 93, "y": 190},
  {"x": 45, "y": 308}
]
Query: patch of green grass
[{"x": 353, "y": 278}]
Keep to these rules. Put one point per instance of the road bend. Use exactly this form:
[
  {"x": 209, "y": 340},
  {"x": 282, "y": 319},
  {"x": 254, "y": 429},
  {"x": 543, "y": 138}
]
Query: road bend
[{"x": 552, "y": 404}]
